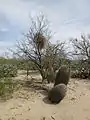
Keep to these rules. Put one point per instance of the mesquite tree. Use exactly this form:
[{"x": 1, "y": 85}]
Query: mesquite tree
[{"x": 34, "y": 43}]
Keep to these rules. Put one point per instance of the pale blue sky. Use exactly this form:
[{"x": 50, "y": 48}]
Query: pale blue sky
[{"x": 69, "y": 18}]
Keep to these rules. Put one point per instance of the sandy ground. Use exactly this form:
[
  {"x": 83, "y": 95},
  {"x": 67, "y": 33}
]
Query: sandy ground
[{"x": 28, "y": 104}]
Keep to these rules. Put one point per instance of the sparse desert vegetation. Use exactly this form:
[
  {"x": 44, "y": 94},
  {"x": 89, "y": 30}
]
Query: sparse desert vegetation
[{"x": 41, "y": 74}]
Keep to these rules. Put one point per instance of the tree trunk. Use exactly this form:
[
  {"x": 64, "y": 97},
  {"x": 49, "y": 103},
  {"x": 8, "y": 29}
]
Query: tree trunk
[
  {"x": 27, "y": 73},
  {"x": 43, "y": 75}
]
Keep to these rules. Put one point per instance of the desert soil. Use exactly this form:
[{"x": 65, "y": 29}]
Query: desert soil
[{"x": 30, "y": 104}]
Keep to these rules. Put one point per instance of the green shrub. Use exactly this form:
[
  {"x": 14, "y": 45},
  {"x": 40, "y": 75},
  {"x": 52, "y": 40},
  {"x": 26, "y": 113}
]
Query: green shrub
[
  {"x": 7, "y": 70},
  {"x": 6, "y": 88},
  {"x": 83, "y": 74}
]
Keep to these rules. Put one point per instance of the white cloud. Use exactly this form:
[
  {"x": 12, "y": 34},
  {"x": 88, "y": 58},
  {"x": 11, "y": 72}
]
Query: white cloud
[
  {"x": 16, "y": 11},
  {"x": 68, "y": 18},
  {"x": 60, "y": 14},
  {"x": 5, "y": 46},
  {"x": 4, "y": 30}
]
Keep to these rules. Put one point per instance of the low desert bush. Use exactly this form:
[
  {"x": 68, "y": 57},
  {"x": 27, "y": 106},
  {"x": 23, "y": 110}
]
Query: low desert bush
[
  {"x": 7, "y": 70},
  {"x": 83, "y": 74},
  {"x": 6, "y": 88}
]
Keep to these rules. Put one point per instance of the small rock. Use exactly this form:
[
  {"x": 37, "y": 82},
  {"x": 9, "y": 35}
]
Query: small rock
[
  {"x": 73, "y": 98},
  {"x": 29, "y": 109}
]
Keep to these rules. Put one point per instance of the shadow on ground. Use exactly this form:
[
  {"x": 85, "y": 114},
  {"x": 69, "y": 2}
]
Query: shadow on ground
[
  {"x": 36, "y": 86},
  {"x": 47, "y": 101}
]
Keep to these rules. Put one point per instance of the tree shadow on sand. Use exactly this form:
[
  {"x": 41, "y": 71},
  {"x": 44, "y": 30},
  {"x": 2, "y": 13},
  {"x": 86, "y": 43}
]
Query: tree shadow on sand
[{"x": 36, "y": 85}]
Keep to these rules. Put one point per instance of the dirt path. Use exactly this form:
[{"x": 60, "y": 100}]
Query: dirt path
[{"x": 31, "y": 105}]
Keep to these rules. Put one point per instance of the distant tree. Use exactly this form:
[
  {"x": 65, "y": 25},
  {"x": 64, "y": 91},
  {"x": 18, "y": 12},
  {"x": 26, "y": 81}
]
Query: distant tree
[
  {"x": 82, "y": 51},
  {"x": 82, "y": 47}
]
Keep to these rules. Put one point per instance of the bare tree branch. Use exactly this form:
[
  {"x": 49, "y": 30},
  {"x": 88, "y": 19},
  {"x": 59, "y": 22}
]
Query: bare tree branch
[{"x": 34, "y": 41}]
